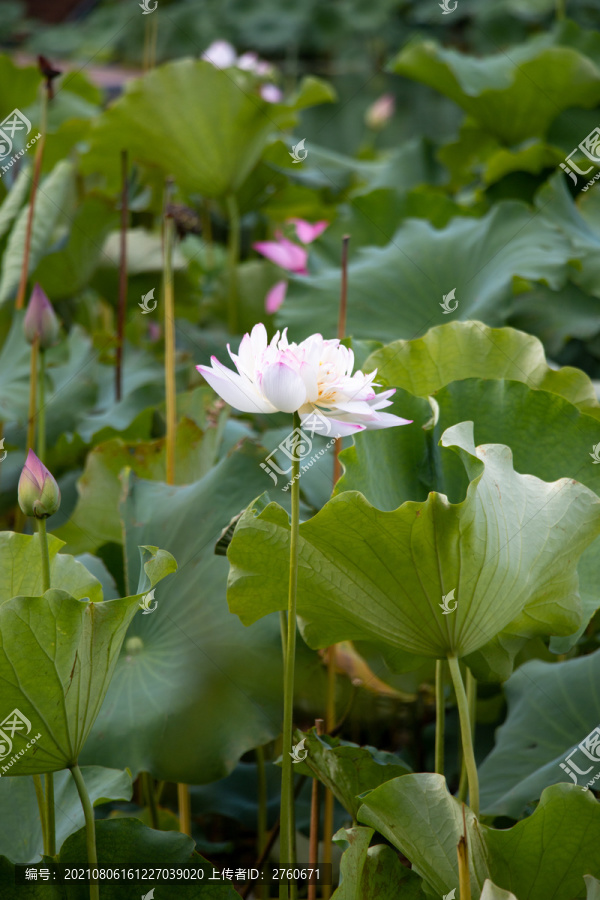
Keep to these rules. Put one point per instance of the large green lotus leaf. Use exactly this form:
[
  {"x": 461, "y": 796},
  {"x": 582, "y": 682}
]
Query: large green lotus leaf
[
  {"x": 545, "y": 855},
  {"x": 372, "y": 873},
  {"x": 20, "y": 828},
  {"x": 514, "y": 94},
  {"x": 460, "y": 350},
  {"x": 347, "y": 769},
  {"x": 53, "y": 198},
  {"x": 126, "y": 843},
  {"x": 397, "y": 291},
  {"x": 556, "y": 317},
  {"x": 551, "y": 708},
  {"x": 422, "y": 820},
  {"x": 191, "y": 656},
  {"x": 95, "y": 520},
  {"x": 205, "y": 126},
  {"x": 19, "y": 85},
  {"x": 514, "y": 541},
  {"x": 57, "y": 655}
]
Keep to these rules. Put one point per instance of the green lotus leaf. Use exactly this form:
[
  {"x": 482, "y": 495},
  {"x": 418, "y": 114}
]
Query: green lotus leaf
[
  {"x": 397, "y": 291},
  {"x": 548, "y": 853},
  {"x": 516, "y": 93},
  {"x": 505, "y": 554},
  {"x": 205, "y": 126},
  {"x": 372, "y": 873},
  {"x": 57, "y": 656}
]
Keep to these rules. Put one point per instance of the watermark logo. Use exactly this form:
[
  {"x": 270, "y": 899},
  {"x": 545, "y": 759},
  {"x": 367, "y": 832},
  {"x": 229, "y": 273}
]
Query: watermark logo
[
  {"x": 446, "y": 601},
  {"x": 149, "y": 895},
  {"x": 447, "y": 9},
  {"x": 297, "y": 151},
  {"x": 590, "y": 750},
  {"x": 144, "y": 305},
  {"x": 5, "y": 452},
  {"x": 146, "y": 601},
  {"x": 446, "y": 304},
  {"x": 146, "y": 10},
  {"x": 450, "y": 896},
  {"x": 15, "y": 121},
  {"x": 590, "y": 147},
  {"x": 595, "y": 455},
  {"x": 297, "y": 446},
  {"x": 297, "y": 752},
  {"x": 13, "y": 723}
]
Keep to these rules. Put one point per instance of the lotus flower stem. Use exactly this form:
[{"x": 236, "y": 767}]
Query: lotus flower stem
[
  {"x": 41, "y": 523},
  {"x": 150, "y": 797},
  {"x": 561, "y": 10},
  {"x": 288, "y": 825},
  {"x": 33, "y": 391},
  {"x": 232, "y": 261},
  {"x": 185, "y": 809},
  {"x": 440, "y": 716},
  {"x": 41, "y": 410},
  {"x": 50, "y": 817},
  {"x": 122, "y": 278},
  {"x": 465, "y": 733},
  {"x": 313, "y": 847},
  {"x": 169, "y": 231},
  {"x": 37, "y": 168},
  {"x": 90, "y": 826},
  {"x": 41, "y": 801},
  {"x": 472, "y": 700}
]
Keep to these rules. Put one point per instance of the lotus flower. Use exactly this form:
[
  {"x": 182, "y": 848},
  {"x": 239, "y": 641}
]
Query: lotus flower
[
  {"x": 275, "y": 297},
  {"x": 379, "y": 113},
  {"x": 306, "y": 231},
  {"x": 313, "y": 378},
  {"x": 221, "y": 54},
  {"x": 40, "y": 320},
  {"x": 38, "y": 492},
  {"x": 284, "y": 253}
]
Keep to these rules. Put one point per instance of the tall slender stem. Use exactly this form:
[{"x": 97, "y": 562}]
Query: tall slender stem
[
  {"x": 33, "y": 390},
  {"x": 465, "y": 732},
  {"x": 44, "y": 554},
  {"x": 37, "y": 168},
  {"x": 150, "y": 799},
  {"x": 122, "y": 278},
  {"x": 41, "y": 411},
  {"x": 233, "y": 256},
  {"x": 50, "y": 816},
  {"x": 440, "y": 716},
  {"x": 171, "y": 409},
  {"x": 41, "y": 801},
  {"x": 288, "y": 825},
  {"x": 90, "y": 827},
  {"x": 561, "y": 10},
  {"x": 185, "y": 808},
  {"x": 313, "y": 846}
]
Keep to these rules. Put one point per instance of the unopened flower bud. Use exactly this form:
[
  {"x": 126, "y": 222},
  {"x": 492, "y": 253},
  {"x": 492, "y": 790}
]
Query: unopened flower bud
[
  {"x": 39, "y": 494},
  {"x": 380, "y": 112},
  {"x": 40, "y": 320}
]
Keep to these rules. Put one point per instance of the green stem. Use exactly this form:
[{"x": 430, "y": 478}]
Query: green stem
[
  {"x": 440, "y": 716},
  {"x": 171, "y": 409},
  {"x": 233, "y": 256},
  {"x": 33, "y": 392},
  {"x": 44, "y": 552},
  {"x": 466, "y": 733},
  {"x": 261, "y": 822},
  {"x": 148, "y": 786},
  {"x": 90, "y": 826},
  {"x": 49, "y": 777},
  {"x": 561, "y": 10},
  {"x": 50, "y": 817},
  {"x": 41, "y": 801},
  {"x": 288, "y": 827},
  {"x": 41, "y": 416},
  {"x": 37, "y": 169}
]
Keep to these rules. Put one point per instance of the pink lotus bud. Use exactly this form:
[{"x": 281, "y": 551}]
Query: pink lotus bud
[
  {"x": 40, "y": 320},
  {"x": 379, "y": 113},
  {"x": 39, "y": 494}
]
